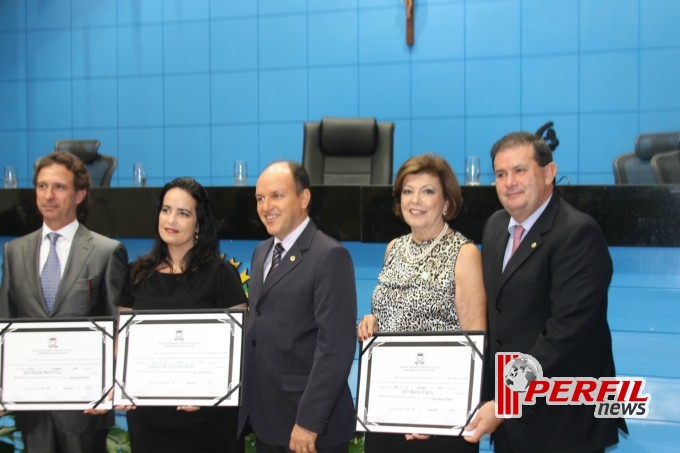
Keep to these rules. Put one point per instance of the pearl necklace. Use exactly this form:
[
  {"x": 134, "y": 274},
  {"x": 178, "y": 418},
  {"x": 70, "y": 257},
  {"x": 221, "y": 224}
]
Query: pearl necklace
[{"x": 410, "y": 258}]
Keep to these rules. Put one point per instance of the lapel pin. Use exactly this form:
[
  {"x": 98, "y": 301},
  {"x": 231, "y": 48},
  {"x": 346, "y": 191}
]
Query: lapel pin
[
  {"x": 533, "y": 245},
  {"x": 292, "y": 258}
]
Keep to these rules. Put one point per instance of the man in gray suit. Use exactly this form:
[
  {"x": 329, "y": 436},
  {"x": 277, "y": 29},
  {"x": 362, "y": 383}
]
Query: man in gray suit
[
  {"x": 300, "y": 338},
  {"x": 62, "y": 270}
]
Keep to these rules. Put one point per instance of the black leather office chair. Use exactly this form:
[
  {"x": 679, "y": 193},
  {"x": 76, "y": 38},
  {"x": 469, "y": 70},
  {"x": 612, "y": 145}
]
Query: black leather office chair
[
  {"x": 666, "y": 167},
  {"x": 353, "y": 151},
  {"x": 99, "y": 166},
  {"x": 635, "y": 167}
]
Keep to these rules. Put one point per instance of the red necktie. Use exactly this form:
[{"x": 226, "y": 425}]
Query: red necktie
[{"x": 516, "y": 238}]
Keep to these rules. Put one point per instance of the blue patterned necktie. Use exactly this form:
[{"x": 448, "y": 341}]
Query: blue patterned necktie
[{"x": 51, "y": 273}]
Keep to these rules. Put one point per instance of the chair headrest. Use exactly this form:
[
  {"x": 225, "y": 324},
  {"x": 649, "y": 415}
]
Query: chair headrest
[
  {"x": 348, "y": 136},
  {"x": 85, "y": 150},
  {"x": 647, "y": 145}
]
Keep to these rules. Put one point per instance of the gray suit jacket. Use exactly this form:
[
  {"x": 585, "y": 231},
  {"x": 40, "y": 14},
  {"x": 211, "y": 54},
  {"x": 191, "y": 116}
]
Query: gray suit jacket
[
  {"x": 300, "y": 342},
  {"x": 89, "y": 287}
]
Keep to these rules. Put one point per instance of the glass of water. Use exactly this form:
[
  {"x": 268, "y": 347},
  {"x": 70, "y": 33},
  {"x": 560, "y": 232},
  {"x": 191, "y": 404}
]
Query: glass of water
[
  {"x": 10, "y": 177},
  {"x": 472, "y": 170},
  {"x": 241, "y": 173},
  {"x": 138, "y": 175}
]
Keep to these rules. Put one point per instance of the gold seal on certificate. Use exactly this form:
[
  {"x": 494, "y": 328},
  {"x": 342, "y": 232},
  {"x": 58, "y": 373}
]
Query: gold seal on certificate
[
  {"x": 179, "y": 358},
  {"x": 426, "y": 383},
  {"x": 58, "y": 365}
]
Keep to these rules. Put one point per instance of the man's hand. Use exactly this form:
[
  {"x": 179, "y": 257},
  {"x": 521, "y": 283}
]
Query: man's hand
[
  {"x": 302, "y": 440},
  {"x": 485, "y": 422}
]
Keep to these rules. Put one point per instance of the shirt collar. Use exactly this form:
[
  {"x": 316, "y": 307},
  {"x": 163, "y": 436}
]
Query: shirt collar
[
  {"x": 293, "y": 236},
  {"x": 529, "y": 221},
  {"x": 68, "y": 232}
]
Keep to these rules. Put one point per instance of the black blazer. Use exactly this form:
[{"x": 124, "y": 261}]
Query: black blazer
[
  {"x": 300, "y": 342},
  {"x": 551, "y": 303}
]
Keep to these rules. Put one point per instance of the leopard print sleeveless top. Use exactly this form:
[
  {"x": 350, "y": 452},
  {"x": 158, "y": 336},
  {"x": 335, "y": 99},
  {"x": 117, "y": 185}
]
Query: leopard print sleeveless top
[{"x": 418, "y": 295}]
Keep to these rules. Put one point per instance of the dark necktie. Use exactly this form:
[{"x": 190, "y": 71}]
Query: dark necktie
[
  {"x": 516, "y": 238},
  {"x": 51, "y": 273},
  {"x": 276, "y": 256}
]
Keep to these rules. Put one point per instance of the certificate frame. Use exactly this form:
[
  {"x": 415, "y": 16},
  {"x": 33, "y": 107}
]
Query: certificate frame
[
  {"x": 64, "y": 364},
  {"x": 178, "y": 358},
  {"x": 409, "y": 382}
]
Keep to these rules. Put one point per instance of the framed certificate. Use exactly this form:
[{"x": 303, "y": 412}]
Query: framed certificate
[
  {"x": 179, "y": 358},
  {"x": 425, "y": 383},
  {"x": 60, "y": 365}
]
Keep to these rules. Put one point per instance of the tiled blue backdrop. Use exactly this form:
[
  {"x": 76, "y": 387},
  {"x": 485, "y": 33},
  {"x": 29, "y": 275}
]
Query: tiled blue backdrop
[{"x": 188, "y": 86}]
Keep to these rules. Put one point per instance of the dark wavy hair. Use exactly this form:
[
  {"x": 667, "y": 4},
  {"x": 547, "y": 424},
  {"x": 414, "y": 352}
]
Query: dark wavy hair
[
  {"x": 206, "y": 247},
  {"x": 81, "y": 178}
]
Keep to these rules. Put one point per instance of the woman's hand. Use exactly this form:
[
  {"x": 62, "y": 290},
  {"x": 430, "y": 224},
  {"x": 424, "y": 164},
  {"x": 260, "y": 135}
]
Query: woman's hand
[
  {"x": 367, "y": 327},
  {"x": 188, "y": 408},
  {"x": 125, "y": 408},
  {"x": 416, "y": 436}
]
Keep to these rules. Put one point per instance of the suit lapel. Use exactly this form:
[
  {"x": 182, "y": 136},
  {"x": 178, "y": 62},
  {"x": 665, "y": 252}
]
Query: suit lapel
[
  {"x": 30, "y": 253},
  {"x": 80, "y": 251},
  {"x": 293, "y": 258},
  {"x": 258, "y": 270},
  {"x": 531, "y": 242}
]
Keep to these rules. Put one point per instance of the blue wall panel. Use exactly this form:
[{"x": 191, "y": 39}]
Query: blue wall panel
[
  {"x": 556, "y": 91},
  {"x": 230, "y": 143},
  {"x": 12, "y": 15},
  {"x": 283, "y": 95},
  {"x": 13, "y": 48},
  {"x": 384, "y": 90},
  {"x": 435, "y": 25},
  {"x": 233, "y": 44},
  {"x": 549, "y": 26},
  {"x": 186, "y": 47},
  {"x": 194, "y": 143},
  {"x": 497, "y": 65},
  {"x": 48, "y": 53},
  {"x": 658, "y": 23},
  {"x": 93, "y": 51},
  {"x": 140, "y": 101},
  {"x": 41, "y": 14},
  {"x": 88, "y": 13},
  {"x": 95, "y": 103},
  {"x": 14, "y": 118},
  {"x": 492, "y": 29},
  {"x": 333, "y": 91},
  {"x": 136, "y": 12},
  {"x": 333, "y": 38},
  {"x": 437, "y": 90},
  {"x": 141, "y": 50},
  {"x": 50, "y": 104}
]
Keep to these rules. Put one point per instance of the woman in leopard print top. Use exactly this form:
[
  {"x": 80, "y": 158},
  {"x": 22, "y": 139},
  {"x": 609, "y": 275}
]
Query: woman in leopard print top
[{"x": 431, "y": 279}]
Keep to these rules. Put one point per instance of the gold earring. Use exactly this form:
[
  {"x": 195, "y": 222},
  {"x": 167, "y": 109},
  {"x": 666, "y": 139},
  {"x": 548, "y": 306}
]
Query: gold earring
[{"x": 196, "y": 236}]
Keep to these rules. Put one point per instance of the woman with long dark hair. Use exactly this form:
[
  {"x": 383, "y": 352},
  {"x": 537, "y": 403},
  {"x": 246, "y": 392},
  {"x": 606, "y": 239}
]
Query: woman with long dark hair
[{"x": 183, "y": 271}]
